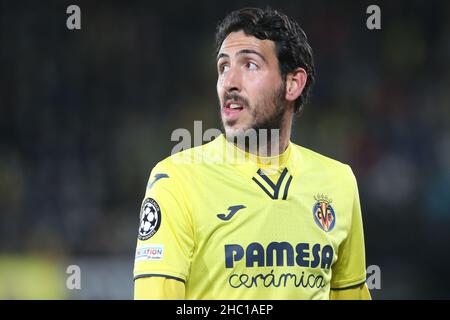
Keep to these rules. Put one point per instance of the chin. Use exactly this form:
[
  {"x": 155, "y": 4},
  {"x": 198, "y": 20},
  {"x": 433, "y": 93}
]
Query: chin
[
  {"x": 232, "y": 132},
  {"x": 241, "y": 135}
]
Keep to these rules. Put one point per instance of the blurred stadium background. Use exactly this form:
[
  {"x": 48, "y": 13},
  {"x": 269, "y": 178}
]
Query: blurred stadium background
[{"x": 85, "y": 115}]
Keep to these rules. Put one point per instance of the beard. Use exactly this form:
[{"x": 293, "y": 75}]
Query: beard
[
  {"x": 266, "y": 119},
  {"x": 273, "y": 118}
]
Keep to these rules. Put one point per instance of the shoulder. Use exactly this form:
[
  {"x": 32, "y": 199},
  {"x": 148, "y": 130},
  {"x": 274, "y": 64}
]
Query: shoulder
[
  {"x": 187, "y": 162},
  {"x": 313, "y": 161},
  {"x": 194, "y": 156}
]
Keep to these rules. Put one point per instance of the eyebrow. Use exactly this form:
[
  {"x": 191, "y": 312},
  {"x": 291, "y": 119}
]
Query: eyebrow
[{"x": 243, "y": 51}]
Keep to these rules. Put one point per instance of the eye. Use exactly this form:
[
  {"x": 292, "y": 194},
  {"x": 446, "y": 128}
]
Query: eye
[
  {"x": 251, "y": 66},
  {"x": 223, "y": 68}
]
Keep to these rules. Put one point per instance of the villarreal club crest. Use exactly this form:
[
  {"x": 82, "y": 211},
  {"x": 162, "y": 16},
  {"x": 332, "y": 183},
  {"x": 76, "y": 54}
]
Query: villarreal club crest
[{"x": 324, "y": 213}]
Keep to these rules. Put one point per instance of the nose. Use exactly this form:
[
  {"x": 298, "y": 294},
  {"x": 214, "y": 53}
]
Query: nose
[{"x": 232, "y": 80}]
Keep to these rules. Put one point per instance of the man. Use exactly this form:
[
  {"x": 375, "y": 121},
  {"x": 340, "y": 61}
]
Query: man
[{"x": 284, "y": 223}]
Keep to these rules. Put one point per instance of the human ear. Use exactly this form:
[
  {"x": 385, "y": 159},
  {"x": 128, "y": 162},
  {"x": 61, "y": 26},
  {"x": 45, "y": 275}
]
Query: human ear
[{"x": 295, "y": 82}]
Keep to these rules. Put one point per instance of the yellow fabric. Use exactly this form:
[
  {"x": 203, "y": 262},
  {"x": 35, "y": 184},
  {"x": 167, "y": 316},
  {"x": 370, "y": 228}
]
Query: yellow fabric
[
  {"x": 230, "y": 233},
  {"x": 158, "y": 288},
  {"x": 358, "y": 293}
]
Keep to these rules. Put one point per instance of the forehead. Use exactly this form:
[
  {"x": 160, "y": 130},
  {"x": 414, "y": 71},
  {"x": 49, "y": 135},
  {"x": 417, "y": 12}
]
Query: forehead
[{"x": 237, "y": 41}]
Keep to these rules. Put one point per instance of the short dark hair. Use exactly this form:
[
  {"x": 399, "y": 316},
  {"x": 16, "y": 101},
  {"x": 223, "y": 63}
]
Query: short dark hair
[{"x": 292, "y": 47}]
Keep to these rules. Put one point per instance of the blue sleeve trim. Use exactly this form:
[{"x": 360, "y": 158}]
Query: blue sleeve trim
[
  {"x": 350, "y": 287},
  {"x": 147, "y": 275}
]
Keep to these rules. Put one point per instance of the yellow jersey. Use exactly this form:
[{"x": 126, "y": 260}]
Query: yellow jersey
[{"x": 230, "y": 225}]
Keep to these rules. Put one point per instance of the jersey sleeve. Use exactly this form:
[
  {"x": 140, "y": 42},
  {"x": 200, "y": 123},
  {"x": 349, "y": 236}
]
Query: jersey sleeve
[
  {"x": 360, "y": 292},
  {"x": 350, "y": 268},
  {"x": 158, "y": 288},
  {"x": 165, "y": 235}
]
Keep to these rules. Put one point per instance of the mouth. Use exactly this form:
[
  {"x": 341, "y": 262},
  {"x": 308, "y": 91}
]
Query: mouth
[{"x": 232, "y": 109}]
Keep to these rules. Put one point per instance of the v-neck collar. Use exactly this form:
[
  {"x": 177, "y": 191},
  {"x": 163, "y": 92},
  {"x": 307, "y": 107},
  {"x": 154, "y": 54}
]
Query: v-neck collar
[{"x": 250, "y": 163}]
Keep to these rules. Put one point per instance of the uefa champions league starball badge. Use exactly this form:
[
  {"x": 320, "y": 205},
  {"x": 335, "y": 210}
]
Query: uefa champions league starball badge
[{"x": 150, "y": 219}]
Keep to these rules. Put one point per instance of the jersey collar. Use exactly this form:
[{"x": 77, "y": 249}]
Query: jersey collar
[{"x": 236, "y": 156}]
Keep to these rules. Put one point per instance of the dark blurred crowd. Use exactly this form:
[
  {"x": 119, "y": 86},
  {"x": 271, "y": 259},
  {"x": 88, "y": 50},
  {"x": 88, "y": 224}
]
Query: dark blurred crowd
[{"x": 86, "y": 114}]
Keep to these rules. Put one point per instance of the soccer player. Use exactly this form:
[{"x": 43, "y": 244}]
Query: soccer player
[{"x": 283, "y": 222}]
